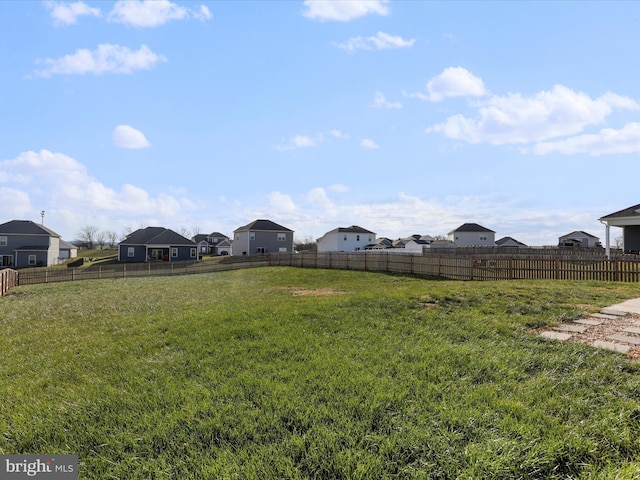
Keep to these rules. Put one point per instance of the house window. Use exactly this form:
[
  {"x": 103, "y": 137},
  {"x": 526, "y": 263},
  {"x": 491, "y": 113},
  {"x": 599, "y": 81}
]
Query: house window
[
  {"x": 282, "y": 237},
  {"x": 261, "y": 250},
  {"x": 3, "y": 241},
  {"x": 193, "y": 253},
  {"x": 131, "y": 251},
  {"x": 345, "y": 238},
  {"x": 252, "y": 235},
  {"x": 483, "y": 238},
  {"x": 32, "y": 259},
  {"x": 174, "y": 252},
  {"x": 357, "y": 238},
  {"x": 369, "y": 239}
]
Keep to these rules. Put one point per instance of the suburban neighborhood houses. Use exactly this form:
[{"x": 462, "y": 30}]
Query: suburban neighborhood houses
[{"x": 24, "y": 243}]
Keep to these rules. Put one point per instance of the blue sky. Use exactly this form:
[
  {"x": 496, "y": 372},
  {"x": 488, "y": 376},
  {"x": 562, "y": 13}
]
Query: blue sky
[{"x": 402, "y": 117}]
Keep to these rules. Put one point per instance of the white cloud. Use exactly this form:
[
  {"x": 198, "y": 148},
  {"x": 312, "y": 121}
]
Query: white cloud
[
  {"x": 153, "y": 13},
  {"x": 298, "y": 141},
  {"x": 125, "y": 136},
  {"x": 63, "y": 187},
  {"x": 455, "y": 82},
  {"x": 338, "y": 134},
  {"x": 369, "y": 144},
  {"x": 379, "y": 101},
  {"x": 343, "y": 11},
  {"x": 606, "y": 142},
  {"x": 68, "y": 13},
  {"x": 517, "y": 119},
  {"x": 381, "y": 41},
  {"x": 306, "y": 141},
  {"x": 106, "y": 58}
]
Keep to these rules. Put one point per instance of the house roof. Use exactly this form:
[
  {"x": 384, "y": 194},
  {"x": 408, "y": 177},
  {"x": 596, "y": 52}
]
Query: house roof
[
  {"x": 504, "y": 240},
  {"x": 217, "y": 234},
  {"x": 200, "y": 237},
  {"x": 471, "y": 227},
  {"x": 351, "y": 229},
  {"x": 155, "y": 236},
  {"x": 26, "y": 227},
  {"x": 64, "y": 245},
  {"x": 626, "y": 212},
  {"x": 223, "y": 244},
  {"x": 577, "y": 234},
  {"x": 263, "y": 225}
]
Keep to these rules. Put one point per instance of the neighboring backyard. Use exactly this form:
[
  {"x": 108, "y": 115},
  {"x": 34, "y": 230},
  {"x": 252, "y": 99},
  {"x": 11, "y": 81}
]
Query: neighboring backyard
[{"x": 284, "y": 372}]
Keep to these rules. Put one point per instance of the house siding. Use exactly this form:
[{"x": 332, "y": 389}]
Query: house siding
[
  {"x": 631, "y": 238},
  {"x": 140, "y": 253},
  {"x": 335, "y": 242},
  {"x": 473, "y": 239}
]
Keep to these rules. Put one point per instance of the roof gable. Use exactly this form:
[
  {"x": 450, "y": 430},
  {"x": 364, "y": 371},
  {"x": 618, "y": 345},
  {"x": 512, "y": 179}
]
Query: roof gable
[
  {"x": 26, "y": 227},
  {"x": 156, "y": 236},
  {"x": 471, "y": 227},
  {"x": 351, "y": 229},
  {"x": 626, "y": 212},
  {"x": 263, "y": 225}
]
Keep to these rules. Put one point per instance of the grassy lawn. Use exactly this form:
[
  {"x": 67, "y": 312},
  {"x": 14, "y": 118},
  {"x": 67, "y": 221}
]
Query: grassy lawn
[{"x": 301, "y": 373}]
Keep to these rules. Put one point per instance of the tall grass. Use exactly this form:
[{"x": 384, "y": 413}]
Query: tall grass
[{"x": 297, "y": 373}]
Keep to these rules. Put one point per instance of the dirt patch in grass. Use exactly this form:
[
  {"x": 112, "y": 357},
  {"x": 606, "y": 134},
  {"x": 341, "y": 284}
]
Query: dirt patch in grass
[{"x": 316, "y": 292}]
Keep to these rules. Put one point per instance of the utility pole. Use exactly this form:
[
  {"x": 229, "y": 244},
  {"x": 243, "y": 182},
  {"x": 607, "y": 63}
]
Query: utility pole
[{"x": 42, "y": 216}]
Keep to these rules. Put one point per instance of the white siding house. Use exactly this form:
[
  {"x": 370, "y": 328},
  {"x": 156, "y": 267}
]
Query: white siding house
[
  {"x": 346, "y": 239},
  {"x": 472, "y": 235}
]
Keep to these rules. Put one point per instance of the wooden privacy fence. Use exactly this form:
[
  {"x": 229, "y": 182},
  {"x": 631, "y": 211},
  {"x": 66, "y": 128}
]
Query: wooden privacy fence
[
  {"x": 458, "y": 268},
  {"x": 128, "y": 270},
  {"x": 8, "y": 279},
  {"x": 470, "y": 268}
]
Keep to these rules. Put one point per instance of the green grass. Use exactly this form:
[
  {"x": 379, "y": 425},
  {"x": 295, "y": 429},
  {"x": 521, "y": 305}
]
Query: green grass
[{"x": 301, "y": 373}]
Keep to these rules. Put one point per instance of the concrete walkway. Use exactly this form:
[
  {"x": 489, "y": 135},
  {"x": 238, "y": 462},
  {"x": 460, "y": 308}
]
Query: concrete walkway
[
  {"x": 630, "y": 306},
  {"x": 616, "y": 328}
]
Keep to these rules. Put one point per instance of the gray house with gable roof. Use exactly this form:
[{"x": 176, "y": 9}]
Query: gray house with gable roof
[
  {"x": 24, "y": 243},
  {"x": 262, "y": 236},
  {"x": 156, "y": 244}
]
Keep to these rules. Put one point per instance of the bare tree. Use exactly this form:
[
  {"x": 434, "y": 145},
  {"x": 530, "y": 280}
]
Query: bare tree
[
  {"x": 87, "y": 235},
  {"x": 101, "y": 238},
  {"x": 184, "y": 231},
  {"x": 112, "y": 236}
]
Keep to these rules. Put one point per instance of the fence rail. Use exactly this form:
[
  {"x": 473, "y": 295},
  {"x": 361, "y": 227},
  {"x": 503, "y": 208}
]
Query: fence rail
[
  {"x": 482, "y": 267},
  {"x": 8, "y": 279},
  {"x": 499, "y": 267}
]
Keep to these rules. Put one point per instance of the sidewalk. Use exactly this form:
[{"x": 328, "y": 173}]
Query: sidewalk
[
  {"x": 630, "y": 306},
  {"x": 616, "y": 328}
]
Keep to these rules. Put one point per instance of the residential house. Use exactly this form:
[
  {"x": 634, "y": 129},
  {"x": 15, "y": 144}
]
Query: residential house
[
  {"x": 208, "y": 243},
  {"x": 24, "y": 243},
  {"x": 346, "y": 239},
  {"x": 415, "y": 245},
  {"x": 509, "y": 242},
  {"x": 262, "y": 236},
  {"x": 223, "y": 248},
  {"x": 152, "y": 244},
  {"x": 67, "y": 250},
  {"x": 579, "y": 239},
  {"x": 629, "y": 220},
  {"x": 381, "y": 243},
  {"x": 472, "y": 235}
]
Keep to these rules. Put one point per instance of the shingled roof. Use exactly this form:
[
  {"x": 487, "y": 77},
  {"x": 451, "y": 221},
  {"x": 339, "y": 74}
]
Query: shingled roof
[
  {"x": 26, "y": 227},
  {"x": 471, "y": 227},
  {"x": 156, "y": 236},
  {"x": 627, "y": 212},
  {"x": 351, "y": 229},
  {"x": 263, "y": 225}
]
